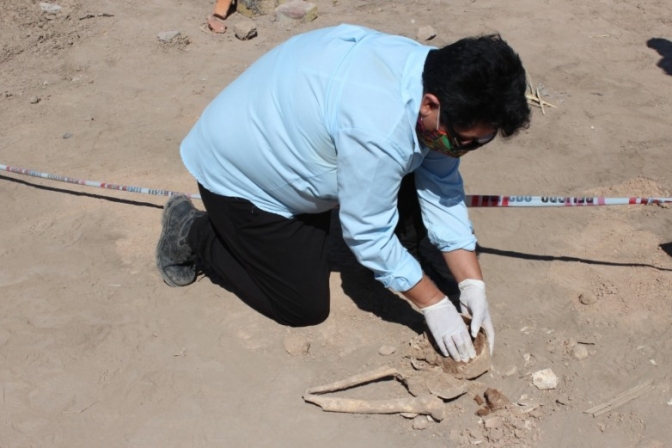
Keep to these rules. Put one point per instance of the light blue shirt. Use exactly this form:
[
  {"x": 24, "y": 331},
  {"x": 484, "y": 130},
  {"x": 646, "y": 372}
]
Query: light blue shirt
[{"x": 329, "y": 118}]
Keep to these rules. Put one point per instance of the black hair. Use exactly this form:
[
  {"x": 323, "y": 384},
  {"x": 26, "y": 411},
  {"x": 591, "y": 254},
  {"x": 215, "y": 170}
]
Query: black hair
[{"x": 479, "y": 80}]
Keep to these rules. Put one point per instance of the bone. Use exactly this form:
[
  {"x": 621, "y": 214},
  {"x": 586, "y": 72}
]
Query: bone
[
  {"x": 425, "y": 405},
  {"x": 356, "y": 380}
]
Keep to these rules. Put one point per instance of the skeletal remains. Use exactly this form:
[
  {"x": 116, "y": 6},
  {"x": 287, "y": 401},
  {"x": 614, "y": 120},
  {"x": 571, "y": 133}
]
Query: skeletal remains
[{"x": 430, "y": 380}]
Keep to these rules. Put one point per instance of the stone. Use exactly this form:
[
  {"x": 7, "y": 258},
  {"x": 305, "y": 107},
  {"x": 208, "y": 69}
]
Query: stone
[
  {"x": 296, "y": 11},
  {"x": 580, "y": 351},
  {"x": 545, "y": 379},
  {"x": 245, "y": 29},
  {"x": 168, "y": 36},
  {"x": 587, "y": 298},
  {"x": 296, "y": 345},
  {"x": 253, "y": 8},
  {"x": 50, "y": 8},
  {"x": 35, "y": 100},
  {"x": 426, "y": 33},
  {"x": 67, "y": 135},
  {"x": 496, "y": 400},
  {"x": 387, "y": 350}
]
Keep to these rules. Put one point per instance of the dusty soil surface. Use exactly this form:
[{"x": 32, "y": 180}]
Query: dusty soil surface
[{"x": 96, "y": 351}]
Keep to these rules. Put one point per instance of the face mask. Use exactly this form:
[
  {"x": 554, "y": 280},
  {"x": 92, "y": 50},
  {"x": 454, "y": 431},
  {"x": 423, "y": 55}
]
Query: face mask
[
  {"x": 445, "y": 143},
  {"x": 437, "y": 140}
]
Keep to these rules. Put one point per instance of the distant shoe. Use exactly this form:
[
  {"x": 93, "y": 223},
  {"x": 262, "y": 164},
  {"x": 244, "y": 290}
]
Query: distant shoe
[{"x": 175, "y": 260}]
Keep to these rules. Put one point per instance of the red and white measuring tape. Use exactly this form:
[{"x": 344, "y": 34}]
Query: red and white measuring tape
[{"x": 470, "y": 200}]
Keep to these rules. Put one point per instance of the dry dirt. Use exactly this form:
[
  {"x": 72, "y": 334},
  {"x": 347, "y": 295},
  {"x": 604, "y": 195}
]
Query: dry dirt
[{"x": 95, "y": 351}]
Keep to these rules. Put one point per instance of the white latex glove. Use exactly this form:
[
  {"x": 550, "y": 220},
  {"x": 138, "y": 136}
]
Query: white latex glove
[
  {"x": 472, "y": 298},
  {"x": 449, "y": 330}
]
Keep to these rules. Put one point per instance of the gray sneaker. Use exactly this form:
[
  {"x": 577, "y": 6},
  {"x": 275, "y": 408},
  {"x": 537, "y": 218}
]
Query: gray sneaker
[{"x": 175, "y": 260}]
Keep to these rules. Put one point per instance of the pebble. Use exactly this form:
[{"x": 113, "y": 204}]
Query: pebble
[
  {"x": 296, "y": 11},
  {"x": 35, "y": 100},
  {"x": 495, "y": 399},
  {"x": 386, "y": 350},
  {"x": 587, "y": 298},
  {"x": 296, "y": 345},
  {"x": 545, "y": 379},
  {"x": 67, "y": 135},
  {"x": 168, "y": 36},
  {"x": 50, "y": 8},
  {"x": 245, "y": 29},
  {"x": 580, "y": 351}
]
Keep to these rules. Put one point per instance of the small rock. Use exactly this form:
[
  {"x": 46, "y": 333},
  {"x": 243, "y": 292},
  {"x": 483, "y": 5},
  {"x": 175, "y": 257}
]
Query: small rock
[
  {"x": 545, "y": 379},
  {"x": 297, "y": 345},
  {"x": 482, "y": 412},
  {"x": 587, "y": 298},
  {"x": 426, "y": 33},
  {"x": 35, "y": 100},
  {"x": 88, "y": 119},
  {"x": 168, "y": 36},
  {"x": 420, "y": 422},
  {"x": 580, "y": 351},
  {"x": 67, "y": 135},
  {"x": 296, "y": 11},
  {"x": 479, "y": 401},
  {"x": 50, "y": 8},
  {"x": 408, "y": 415},
  {"x": 245, "y": 29},
  {"x": 387, "y": 350},
  {"x": 495, "y": 399}
]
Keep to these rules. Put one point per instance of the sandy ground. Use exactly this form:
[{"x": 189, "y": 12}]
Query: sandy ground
[{"x": 96, "y": 351}]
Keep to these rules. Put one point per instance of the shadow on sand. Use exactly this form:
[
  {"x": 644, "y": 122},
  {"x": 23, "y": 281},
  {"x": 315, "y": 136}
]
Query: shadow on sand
[{"x": 664, "y": 49}]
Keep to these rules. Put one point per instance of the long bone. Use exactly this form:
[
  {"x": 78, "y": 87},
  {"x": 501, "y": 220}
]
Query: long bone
[{"x": 424, "y": 404}]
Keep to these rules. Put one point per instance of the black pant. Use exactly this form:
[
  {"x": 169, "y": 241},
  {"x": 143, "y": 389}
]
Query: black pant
[{"x": 276, "y": 265}]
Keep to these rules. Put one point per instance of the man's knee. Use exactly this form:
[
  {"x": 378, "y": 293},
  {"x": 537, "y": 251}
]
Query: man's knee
[{"x": 310, "y": 313}]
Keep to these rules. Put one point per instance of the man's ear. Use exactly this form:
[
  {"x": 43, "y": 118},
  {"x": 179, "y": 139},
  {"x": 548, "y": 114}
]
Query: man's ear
[{"x": 428, "y": 105}]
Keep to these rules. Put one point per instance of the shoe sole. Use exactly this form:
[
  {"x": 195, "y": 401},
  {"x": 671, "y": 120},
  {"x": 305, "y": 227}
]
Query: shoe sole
[{"x": 164, "y": 221}]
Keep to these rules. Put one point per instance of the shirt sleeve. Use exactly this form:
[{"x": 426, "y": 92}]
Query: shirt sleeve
[
  {"x": 370, "y": 170},
  {"x": 441, "y": 195}
]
